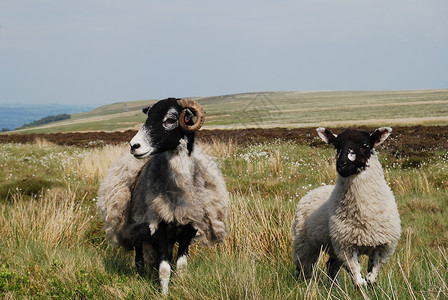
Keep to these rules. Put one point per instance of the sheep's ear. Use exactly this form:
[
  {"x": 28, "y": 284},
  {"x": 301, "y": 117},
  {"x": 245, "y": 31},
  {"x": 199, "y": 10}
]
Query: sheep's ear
[
  {"x": 146, "y": 109},
  {"x": 379, "y": 136},
  {"x": 326, "y": 135},
  {"x": 189, "y": 117}
]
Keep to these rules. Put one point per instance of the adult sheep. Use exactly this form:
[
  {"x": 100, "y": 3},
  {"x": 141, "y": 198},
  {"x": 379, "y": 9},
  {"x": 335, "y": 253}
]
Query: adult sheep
[
  {"x": 356, "y": 216},
  {"x": 165, "y": 191}
]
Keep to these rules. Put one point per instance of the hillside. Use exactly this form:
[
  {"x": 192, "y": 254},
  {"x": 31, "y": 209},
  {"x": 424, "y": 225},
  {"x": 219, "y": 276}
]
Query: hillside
[{"x": 279, "y": 109}]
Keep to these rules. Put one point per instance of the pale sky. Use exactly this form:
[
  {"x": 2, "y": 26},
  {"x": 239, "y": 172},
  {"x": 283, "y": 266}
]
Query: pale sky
[{"x": 97, "y": 52}]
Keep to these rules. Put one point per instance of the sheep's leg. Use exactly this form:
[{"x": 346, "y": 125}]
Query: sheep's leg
[
  {"x": 353, "y": 266},
  {"x": 377, "y": 259},
  {"x": 140, "y": 233},
  {"x": 161, "y": 245},
  {"x": 333, "y": 267},
  {"x": 373, "y": 267},
  {"x": 139, "y": 261},
  {"x": 305, "y": 257},
  {"x": 186, "y": 235}
]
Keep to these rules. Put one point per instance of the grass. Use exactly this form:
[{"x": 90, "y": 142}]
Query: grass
[
  {"x": 53, "y": 246},
  {"x": 279, "y": 109}
]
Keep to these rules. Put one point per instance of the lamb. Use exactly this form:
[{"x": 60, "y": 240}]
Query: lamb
[
  {"x": 166, "y": 190},
  {"x": 356, "y": 216}
]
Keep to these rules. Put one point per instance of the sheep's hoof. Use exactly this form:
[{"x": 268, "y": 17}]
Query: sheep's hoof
[
  {"x": 371, "y": 280},
  {"x": 164, "y": 276},
  {"x": 360, "y": 281}
]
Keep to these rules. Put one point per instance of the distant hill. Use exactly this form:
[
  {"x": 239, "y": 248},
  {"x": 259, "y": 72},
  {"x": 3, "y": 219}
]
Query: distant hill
[
  {"x": 47, "y": 120},
  {"x": 16, "y": 115},
  {"x": 280, "y": 109}
]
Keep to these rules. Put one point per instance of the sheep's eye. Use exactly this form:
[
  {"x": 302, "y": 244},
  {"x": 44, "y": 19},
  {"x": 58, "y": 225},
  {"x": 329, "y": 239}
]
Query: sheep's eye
[
  {"x": 364, "y": 147},
  {"x": 169, "y": 122}
]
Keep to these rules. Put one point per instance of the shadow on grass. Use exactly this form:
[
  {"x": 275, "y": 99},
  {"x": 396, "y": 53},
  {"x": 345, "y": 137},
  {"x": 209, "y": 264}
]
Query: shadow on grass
[
  {"x": 29, "y": 186},
  {"x": 121, "y": 263}
]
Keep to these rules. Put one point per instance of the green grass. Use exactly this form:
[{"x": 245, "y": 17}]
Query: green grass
[
  {"x": 279, "y": 109},
  {"x": 311, "y": 108},
  {"x": 53, "y": 246}
]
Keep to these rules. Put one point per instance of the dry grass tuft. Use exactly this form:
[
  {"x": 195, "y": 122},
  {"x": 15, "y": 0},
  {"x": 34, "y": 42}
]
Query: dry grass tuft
[
  {"x": 55, "y": 217},
  {"x": 42, "y": 142},
  {"x": 93, "y": 165},
  {"x": 417, "y": 183},
  {"x": 327, "y": 172},
  {"x": 219, "y": 148},
  {"x": 259, "y": 228},
  {"x": 276, "y": 163}
]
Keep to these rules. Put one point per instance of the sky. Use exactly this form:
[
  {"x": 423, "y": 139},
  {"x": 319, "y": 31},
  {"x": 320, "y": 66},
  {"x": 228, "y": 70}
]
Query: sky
[{"x": 95, "y": 52}]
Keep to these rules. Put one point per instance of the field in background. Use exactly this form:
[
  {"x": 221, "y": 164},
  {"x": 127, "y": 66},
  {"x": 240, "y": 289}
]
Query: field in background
[
  {"x": 280, "y": 109},
  {"x": 53, "y": 246}
]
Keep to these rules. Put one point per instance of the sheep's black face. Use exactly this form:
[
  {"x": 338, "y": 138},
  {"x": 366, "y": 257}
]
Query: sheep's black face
[
  {"x": 354, "y": 148},
  {"x": 161, "y": 131}
]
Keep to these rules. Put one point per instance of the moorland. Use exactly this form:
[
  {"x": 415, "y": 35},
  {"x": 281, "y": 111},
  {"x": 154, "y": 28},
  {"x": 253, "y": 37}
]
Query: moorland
[{"x": 53, "y": 245}]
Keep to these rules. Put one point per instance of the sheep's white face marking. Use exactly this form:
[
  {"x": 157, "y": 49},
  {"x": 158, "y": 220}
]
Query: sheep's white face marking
[
  {"x": 171, "y": 119},
  {"x": 351, "y": 155},
  {"x": 141, "y": 144}
]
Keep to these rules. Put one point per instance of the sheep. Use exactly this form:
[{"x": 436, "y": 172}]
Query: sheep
[
  {"x": 356, "y": 216},
  {"x": 166, "y": 190}
]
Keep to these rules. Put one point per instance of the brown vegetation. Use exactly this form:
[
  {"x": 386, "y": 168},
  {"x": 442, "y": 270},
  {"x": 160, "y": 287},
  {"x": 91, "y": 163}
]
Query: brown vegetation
[{"x": 406, "y": 141}]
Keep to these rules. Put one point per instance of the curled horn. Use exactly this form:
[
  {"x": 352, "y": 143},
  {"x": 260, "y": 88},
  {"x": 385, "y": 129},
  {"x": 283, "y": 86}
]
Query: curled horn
[{"x": 198, "y": 111}]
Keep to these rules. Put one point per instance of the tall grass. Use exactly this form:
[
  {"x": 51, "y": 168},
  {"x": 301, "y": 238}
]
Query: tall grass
[
  {"x": 93, "y": 164},
  {"x": 55, "y": 217},
  {"x": 53, "y": 246},
  {"x": 219, "y": 148}
]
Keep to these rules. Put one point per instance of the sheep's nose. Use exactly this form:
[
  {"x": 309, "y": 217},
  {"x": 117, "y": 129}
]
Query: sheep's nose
[
  {"x": 135, "y": 146},
  {"x": 342, "y": 165}
]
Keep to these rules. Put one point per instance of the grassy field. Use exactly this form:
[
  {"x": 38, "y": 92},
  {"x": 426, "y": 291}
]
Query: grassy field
[
  {"x": 279, "y": 109},
  {"x": 53, "y": 246}
]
